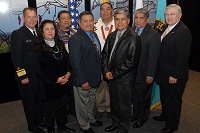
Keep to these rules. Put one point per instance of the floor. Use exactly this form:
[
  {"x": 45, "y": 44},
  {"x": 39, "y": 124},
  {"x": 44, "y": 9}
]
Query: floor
[{"x": 12, "y": 119}]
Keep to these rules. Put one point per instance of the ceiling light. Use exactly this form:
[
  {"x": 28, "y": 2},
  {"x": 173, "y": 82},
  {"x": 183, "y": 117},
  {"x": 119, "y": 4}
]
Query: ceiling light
[{"x": 3, "y": 7}]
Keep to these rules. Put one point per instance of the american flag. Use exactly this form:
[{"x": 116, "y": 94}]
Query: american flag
[{"x": 72, "y": 4}]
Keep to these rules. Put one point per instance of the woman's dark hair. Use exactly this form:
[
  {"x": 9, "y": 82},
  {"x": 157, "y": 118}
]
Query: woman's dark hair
[{"x": 40, "y": 43}]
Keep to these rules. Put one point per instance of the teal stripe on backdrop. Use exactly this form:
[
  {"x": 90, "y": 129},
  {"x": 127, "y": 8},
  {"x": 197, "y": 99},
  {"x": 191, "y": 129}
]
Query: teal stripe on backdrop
[
  {"x": 160, "y": 18},
  {"x": 155, "y": 96},
  {"x": 159, "y": 23}
]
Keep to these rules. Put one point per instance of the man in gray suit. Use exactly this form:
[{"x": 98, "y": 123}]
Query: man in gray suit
[
  {"x": 141, "y": 92},
  {"x": 85, "y": 59}
]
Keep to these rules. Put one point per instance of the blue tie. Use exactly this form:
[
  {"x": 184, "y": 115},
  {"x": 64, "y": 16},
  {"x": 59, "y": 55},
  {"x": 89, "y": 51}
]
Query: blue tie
[{"x": 137, "y": 30}]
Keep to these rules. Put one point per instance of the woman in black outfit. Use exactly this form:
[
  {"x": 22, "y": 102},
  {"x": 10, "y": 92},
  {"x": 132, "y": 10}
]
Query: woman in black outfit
[{"x": 54, "y": 71}]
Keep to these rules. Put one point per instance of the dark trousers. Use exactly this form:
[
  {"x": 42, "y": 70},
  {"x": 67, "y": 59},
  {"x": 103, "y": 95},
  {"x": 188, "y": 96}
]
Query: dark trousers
[
  {"x": 31, "y": 100},
  {"x": 120, "y": 102},
  {"x": 171, "y": 101},
  {"x": 70, "y": 103},
  {"x": 141, "y": 98},
  {"x": 56, "y": 111}
]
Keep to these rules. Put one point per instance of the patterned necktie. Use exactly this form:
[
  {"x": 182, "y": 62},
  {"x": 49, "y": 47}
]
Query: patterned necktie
[
  {"x": 165, "y": 33},
  {"x": 119, "y": 35},
  {"x": 137, "y": 30},
  {"x": 94, "y": 42}
]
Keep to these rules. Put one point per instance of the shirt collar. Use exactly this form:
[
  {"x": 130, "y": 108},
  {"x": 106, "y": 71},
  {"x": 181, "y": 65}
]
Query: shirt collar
[
  {"x": 122, "y": 32},
  {"x": 171, "y": 27},
  {"x": 32, "y": 30},
  {"x": 100, "y": 22},
  {"x": 72, "y": 31}
]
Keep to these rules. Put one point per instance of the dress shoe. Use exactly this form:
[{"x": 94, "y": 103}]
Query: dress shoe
[
  {"x": 132, "y": 119},
  {"x": 97, "y": 123},
  {"x": 37, "y": 130},
  {"x": 68, "y": 130},
  {"x": 138, "y": 124},
  {"x": 98, "y": 114},
  {"x": 42, "y": 124},
  {"x": 110, "y": 128},
  {"x": 166, "y": 130},
  {"x": 89, "y": 130},
  {"x": 109, "y": 114},
  {"x": 158, "y": 118},
  {"x": 51, "y": 132}
]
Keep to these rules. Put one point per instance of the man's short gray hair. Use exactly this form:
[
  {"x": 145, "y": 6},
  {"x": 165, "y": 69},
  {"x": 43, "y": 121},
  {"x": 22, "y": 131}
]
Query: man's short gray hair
[
  {"x": 179, "y": 11},
  {"x": 122, "y": 11},
  {"x": 143, "y": 11}
]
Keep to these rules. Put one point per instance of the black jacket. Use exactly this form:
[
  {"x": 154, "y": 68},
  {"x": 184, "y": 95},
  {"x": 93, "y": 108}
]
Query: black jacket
[
  {"x": 150, "y": 42},
  {"x": 125, "y": 57},
  {"x": 174, "y": 54},
  {"x": 22, "y": 54},
  {"x": 49, "y": 69}
]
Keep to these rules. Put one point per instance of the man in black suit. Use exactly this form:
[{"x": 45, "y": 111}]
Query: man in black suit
[
  {"x": 120, "y": 59},
  {"x": 22, "y": 54},
  {"x": 141, "y": 92},
  {"x": 172, "y": 70},
  {"x": 85, "y": 59}
]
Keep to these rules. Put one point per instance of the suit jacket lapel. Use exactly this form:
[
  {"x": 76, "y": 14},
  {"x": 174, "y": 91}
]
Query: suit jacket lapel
[
  {"x": 113, "y": 36},
  {"x": 28, "y": 33},
  {"x": 172, "y": 31},
  {"x": 144, "y": 32},
  {"x": 88, "y": 41},
  {"x": 164, "y": 28}
]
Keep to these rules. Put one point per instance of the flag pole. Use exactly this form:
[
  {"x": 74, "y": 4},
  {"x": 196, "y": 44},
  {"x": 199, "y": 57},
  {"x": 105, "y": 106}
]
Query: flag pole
[{"x": 67, "y": 5}]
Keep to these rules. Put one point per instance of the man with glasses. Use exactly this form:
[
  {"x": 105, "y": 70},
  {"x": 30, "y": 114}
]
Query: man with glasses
[
  {"x": 120, "y": 58},
  {"x": 172, "y": 68}
]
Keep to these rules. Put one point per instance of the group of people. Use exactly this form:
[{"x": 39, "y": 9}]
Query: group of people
[{"x": 107, "y": 64}]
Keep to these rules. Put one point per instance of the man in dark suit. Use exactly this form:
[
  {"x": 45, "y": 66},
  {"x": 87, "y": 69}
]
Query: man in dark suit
[
  {"x": 172, "y": 70},
  {"x": 141, "y": 92},
  {"x": 85, "y": 59},
  {"x": 22, "y": 54},
  {"x": 120, "y": 59}
]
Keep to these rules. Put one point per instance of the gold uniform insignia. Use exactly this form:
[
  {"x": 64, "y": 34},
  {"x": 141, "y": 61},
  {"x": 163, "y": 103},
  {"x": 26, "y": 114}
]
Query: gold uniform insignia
[{"x": 20, "y": 72}]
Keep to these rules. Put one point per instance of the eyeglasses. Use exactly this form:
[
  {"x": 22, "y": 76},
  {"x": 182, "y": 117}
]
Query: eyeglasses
[
  {"x": 122, "y": 19},
  {"x": 170, "y": 15}
]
